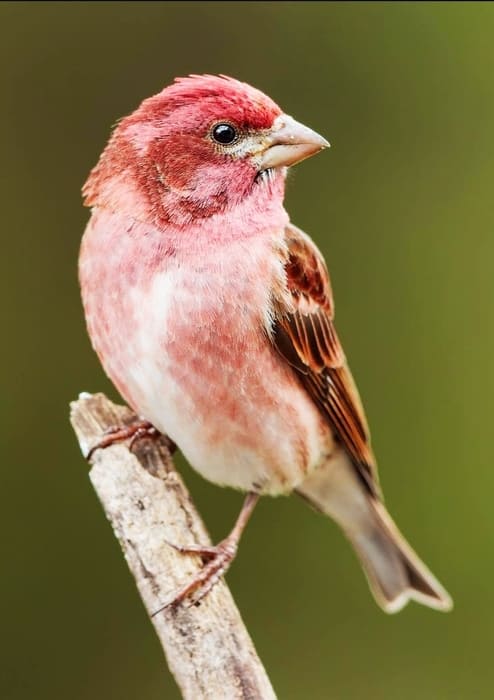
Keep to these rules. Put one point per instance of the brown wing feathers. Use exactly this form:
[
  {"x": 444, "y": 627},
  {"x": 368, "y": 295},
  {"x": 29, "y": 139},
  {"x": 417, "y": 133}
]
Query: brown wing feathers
[{"x": 305, "y": 336}]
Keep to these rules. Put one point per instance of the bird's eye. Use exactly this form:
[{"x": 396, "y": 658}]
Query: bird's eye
[{"x": 224, "y": 134}]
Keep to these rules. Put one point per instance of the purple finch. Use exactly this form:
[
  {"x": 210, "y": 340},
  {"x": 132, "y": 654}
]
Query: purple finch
[{"x": 213, "y": 316}]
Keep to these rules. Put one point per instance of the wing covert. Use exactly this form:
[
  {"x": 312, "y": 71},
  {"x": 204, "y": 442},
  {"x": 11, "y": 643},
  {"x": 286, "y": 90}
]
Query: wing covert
[{"x": 304, "y": 334}]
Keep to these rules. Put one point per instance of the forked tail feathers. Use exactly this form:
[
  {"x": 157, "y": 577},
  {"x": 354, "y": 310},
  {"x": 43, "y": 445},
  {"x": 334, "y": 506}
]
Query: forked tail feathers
[{"x": 395, "y": 573}]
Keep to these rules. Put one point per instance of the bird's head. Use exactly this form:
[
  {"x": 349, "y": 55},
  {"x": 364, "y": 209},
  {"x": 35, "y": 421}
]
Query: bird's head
[{"x": 196, "y": 149}]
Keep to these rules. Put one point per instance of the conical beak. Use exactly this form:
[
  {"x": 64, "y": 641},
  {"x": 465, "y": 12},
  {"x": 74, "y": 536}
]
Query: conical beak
[{"x": 290, "y": 142}]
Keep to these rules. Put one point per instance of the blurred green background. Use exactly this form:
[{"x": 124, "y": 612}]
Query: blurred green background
[{"x": 402, "y": 207}]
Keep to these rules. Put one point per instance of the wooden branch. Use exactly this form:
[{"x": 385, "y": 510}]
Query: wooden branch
[{"x": 207, "y": 647}]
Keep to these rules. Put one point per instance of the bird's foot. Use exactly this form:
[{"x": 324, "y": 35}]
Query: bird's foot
[
  {"x": 135, "y": 431},
  {"x": 217, "y": 561}
]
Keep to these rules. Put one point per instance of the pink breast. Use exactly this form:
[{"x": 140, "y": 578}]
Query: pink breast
[{"x": 189, "y": 352}]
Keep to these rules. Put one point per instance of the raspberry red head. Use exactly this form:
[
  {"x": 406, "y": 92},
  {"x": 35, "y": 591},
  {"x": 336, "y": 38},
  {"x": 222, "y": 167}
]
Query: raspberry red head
[{"x": 197, "y": 149}]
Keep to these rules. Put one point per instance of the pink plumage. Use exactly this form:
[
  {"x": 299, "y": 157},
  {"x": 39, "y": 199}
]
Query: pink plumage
[{"x": 213, "y": 316}]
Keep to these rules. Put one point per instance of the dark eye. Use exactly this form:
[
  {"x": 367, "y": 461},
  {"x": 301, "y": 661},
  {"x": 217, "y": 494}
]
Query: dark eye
[{"x": 224, "y": 134}]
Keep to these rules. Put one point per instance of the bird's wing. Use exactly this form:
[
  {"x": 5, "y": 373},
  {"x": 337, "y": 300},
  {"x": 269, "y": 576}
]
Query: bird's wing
[{"x": 304, "y": 334}]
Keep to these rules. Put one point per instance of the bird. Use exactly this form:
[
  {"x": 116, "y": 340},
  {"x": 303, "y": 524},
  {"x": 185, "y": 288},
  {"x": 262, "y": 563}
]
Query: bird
[{"x": 213, "y": 316}]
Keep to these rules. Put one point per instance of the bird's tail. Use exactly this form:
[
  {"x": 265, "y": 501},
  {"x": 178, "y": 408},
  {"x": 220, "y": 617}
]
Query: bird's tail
[{"x": 394, "y": 572}]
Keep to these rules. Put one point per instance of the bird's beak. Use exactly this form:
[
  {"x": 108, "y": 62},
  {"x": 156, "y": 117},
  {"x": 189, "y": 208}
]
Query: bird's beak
[{"x": 288, "y": 143}]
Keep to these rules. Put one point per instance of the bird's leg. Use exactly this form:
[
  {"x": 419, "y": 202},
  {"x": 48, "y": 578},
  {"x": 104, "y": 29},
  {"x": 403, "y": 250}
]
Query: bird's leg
[
  {"x": 135, "y": 431},
  {"x": 217, "y": 560}
]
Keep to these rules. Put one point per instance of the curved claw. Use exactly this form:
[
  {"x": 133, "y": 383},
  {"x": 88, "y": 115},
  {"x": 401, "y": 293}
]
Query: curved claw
[
  {"x": 119, "y": 433},
  {"x": 205, "y": 552}
]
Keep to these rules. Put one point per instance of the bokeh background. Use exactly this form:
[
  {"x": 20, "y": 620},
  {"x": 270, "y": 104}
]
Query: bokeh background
[{"x": 402, "y": 206}]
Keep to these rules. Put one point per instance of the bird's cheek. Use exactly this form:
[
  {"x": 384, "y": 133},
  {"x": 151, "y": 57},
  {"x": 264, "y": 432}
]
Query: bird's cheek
[
  {"x": 174, "y": 161},
  {"x": 177, "y": 173}
]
